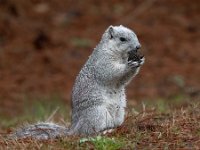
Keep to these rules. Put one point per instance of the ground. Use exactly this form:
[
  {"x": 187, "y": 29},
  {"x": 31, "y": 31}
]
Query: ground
[
  {"x": 43, "y": 45},
  {"x": 158, "y": 125}
]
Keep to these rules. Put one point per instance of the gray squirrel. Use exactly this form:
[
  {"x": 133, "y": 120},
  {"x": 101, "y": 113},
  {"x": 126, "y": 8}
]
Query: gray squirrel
[{"x": 98, "y": 95}]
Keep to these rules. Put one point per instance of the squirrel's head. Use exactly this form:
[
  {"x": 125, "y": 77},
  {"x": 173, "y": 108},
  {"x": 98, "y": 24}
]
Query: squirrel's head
[{"x": 120, "y": 39}]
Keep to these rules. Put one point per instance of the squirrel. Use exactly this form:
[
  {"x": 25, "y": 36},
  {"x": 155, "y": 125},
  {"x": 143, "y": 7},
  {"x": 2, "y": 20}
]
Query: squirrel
[{"x": 98, "y": 95}]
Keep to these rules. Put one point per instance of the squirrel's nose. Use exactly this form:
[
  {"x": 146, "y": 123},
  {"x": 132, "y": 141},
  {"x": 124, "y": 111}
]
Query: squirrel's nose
[{"x": 137, "y": 47}]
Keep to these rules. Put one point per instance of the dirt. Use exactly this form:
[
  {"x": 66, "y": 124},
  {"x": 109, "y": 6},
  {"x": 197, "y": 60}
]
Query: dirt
[{"x": 43, "y": 45}]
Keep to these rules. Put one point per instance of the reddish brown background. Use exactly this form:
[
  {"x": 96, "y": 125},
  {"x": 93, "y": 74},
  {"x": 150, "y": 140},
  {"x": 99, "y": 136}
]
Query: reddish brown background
[{"x": 44, "y": 43}]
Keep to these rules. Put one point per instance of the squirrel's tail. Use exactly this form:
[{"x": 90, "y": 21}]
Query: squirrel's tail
[{"x": 40, "y": 131}]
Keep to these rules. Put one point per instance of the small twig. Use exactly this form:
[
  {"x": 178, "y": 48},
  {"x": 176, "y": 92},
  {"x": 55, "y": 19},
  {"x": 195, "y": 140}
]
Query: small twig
[
  {"x": 144, "y": 109},
  {"x": 52, "y": 115}
]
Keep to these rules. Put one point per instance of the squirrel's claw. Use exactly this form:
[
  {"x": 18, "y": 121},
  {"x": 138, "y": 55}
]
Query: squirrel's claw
[{"x": 135, "y": 64}]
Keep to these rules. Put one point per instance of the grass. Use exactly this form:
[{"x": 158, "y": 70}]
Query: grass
[
  {"x": 157, "y": 125},
  {"x": 39, "y": 109}
]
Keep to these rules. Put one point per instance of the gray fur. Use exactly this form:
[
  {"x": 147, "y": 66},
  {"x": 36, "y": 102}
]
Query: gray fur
[{"x": 98, "y": 96}]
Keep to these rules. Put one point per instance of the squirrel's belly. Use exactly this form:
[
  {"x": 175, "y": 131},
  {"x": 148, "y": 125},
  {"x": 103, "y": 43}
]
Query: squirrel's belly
[
  {"x": 115, "y": 103},
  {"x": 115, "y": 97}
]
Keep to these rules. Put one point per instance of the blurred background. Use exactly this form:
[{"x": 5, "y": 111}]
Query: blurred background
[{"x": 44, "y": 44}]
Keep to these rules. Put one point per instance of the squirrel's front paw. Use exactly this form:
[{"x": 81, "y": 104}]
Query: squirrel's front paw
[{"x": 136, "y": 63}]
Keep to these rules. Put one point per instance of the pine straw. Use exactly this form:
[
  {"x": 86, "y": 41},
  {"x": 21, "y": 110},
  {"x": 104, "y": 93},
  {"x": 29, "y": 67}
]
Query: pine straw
[{"x": 177, "y": 129}]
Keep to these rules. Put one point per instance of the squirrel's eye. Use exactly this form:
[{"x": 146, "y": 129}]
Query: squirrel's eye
[{"x": 122, "y": 39}]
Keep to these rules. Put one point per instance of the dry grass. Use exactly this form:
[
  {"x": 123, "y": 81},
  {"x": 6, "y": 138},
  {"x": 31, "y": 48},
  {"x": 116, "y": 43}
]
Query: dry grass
[{"x": 178, "y": 128}]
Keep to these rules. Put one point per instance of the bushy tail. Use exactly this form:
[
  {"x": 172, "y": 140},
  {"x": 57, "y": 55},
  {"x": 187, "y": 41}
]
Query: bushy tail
[{"x": 40, "y": 131}]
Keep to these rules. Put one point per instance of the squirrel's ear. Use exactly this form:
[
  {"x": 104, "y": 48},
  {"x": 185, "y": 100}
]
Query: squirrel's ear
[{"x": 111, "y": 32}]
